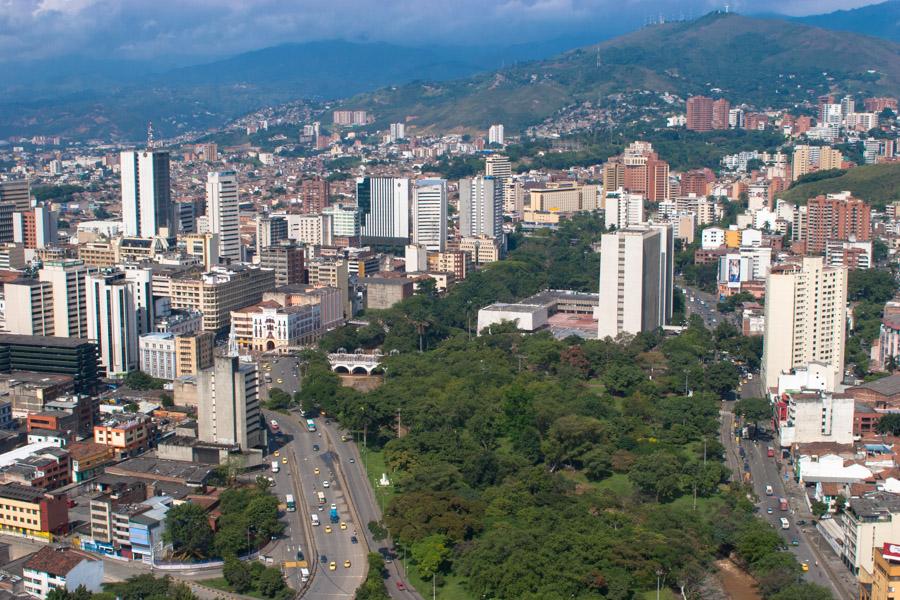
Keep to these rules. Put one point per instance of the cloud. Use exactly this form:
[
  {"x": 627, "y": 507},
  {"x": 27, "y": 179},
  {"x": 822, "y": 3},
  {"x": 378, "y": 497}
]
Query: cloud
[{"x": 147, "y": 29}]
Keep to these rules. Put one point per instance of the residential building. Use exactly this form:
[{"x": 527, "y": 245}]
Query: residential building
[
  {"x": 146, "y": 192},
  {"x": 45, "y": 469},
  {"x": 638, "y": 170},
  {"x": 383, "y": 205},
  {"x": 222, "y": 207},
  {"x": 635, "y": 280},
  {"x": 286, "y": 260},
  {"x": 481, "y": 207},
  {"x": 429, "y": 214},
  {"x": 88, "y": 459},
  {"x": 848, "y": 253},
  {"x": 127, "y": 434},
  {"x": 313, "y": 195},
  {"x": 885, "y": 574},
  {"x": 805, "y": 318},
  {"x": 699, "y": 113},
  {"x": 29, "y": 307},
  {"x": 623, "y": 209},
  {"x": 67, "y": 279},
  {"x": 807, "y": 159},
  {"x": 835, "y": 217},
  {"x": 228, "y": 411},
  {"x": 496, "y": 134},
  {"x": 62, "y": 568},
  {"x": 112, "y": 321}
]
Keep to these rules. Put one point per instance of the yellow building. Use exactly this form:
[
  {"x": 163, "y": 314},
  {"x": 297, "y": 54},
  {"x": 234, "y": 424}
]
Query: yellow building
[
  {"x": 885, "y": 576},
  {"x": 482, "y": 249},
  {"x": 733, "y": 238},
  {"x": 28, "y": 512},
  {"x": 220, "y": 291},
  {"x": 807, "y": 159},
  {"x": 564, "y": 197},
  {"x": 98, "y": 254},
  {"x": 194, "y": 352}
]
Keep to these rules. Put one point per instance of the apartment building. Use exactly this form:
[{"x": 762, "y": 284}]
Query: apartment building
[
  {"x": 220, "y": 291},
  {"x": 126, "y": 434},
  {"x": 30, "y": 512}
]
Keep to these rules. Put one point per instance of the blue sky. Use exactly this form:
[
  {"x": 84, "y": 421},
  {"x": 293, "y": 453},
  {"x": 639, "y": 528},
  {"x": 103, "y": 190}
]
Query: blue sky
[{"x": 149, "y": 29}]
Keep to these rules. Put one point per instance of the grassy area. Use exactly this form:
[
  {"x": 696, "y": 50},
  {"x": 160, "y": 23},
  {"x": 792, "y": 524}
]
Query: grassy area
[
  {"x": 219, "y": 583},
  {"x": 451, "y": 590},
  {"x": 375, "y": 467},
  {"x": 876, "y": 184},
  {"x": 617, "y": 483},
  {"x": 665, "y": 594}
]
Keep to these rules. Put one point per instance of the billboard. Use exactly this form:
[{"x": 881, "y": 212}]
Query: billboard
[
  {"x": 734, "y": 271},
  {"x": 891, "y": 551}
]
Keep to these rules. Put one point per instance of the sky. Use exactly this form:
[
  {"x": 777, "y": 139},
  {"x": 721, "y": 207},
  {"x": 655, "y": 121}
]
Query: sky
[{"x": 195, "y": 29}]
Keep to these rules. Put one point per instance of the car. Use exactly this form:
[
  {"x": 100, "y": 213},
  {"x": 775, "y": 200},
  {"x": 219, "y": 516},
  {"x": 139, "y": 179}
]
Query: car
[
  {"x": 315, "y": 447},
  {"x": 346, "y": 564},
  {"x": 277, "y": 453},
  {"x": 316, "y": 470},
  {"x": 328, "y": 529},
  {"x": 353, "y": 539},
  {"x": 343, "y": 438},
  {"x": 299, "y": 554},
  {"x": 326, "y": 484},
  {"x": 795, "y": 542},
  {"x": 804, "y": 566},
  {"x": 279, "y": 380},
  {"x": 332, "y": 566},
  {"x": 352, "y": 460},
  {"x": 401, "y": 586},
  {"x": 801, "y": 522},
  {"x": 343, "y": 526},
  {"x": 769, "y": 510},
  {"x": 333, "y": 507},
  {"x": 284, "y": 460},
  {"x": 323, "y": 559}
]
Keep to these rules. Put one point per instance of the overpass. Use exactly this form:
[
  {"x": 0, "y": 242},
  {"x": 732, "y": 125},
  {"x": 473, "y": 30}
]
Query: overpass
[{"x": 357, "y": 362}]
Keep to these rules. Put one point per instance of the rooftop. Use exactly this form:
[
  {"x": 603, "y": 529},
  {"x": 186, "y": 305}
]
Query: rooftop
[
  {"x": 41, "y": 340},
  {"x": 56, "y": 561},
  {"x": 886, "y": 386}
]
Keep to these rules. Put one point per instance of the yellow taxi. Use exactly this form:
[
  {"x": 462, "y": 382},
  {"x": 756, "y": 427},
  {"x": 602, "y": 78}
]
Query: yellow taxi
[
  {"x": 284, "y": 460},
  {"x": 343, "y": 438},
  {"x": 280, "y": 380},
  {"x": 343, "y": 526},
  {"x": 804, "y": 566},
  {"x": 277, "y": 453},
  {"x": 332, "y": 566},
  {"x": 346, "y": 564},
  {"x": 316, "y": 470},
  {"x": 328, "y": 529}
]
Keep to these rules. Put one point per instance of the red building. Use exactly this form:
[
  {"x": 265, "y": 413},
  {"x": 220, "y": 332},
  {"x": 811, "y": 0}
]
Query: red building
[
  {"x": 720, "y": 110},
  {"x": 876, "y": 105},
  {"x": 700, "y": 113},
  {"x": 835, "y": 217},
  {"x": 314, "y": 195},
  {"x": 695, "y": 182}
]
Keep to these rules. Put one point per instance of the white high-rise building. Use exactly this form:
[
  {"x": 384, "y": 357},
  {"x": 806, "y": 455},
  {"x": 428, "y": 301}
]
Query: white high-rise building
[
  {"x": 481, "y": 207},
  {"x": 636, "y": 267},
  {"x": 623, "y": 209},
  {"x": 228, "y": 408},
  {"x": 806, "y": 315},
  {"x": 67, "y": 278},
  {"x": 398, "y": 131},
  {"x": 495, "y": 134},
  {"x": 223, "y": 212},
  {"x": 29, "y": 307},
  {"x": 344, "y": 221},
  {"x": 383, "y": 205},
  {"x": 430, "y": 214},
  {"x": 497, "y": 165},
  {"x": 112, "y": 321},
  {"x": 143, "y": 297},
  {"x": 146, "y": 192}
]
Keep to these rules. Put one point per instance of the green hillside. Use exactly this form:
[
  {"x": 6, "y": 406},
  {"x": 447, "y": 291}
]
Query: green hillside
[
  {"x": 877, "y": 184},
  {"x": 766, "y": 62}
]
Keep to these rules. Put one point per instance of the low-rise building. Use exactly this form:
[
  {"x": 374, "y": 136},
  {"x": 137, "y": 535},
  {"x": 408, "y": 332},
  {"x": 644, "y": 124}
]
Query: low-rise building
[
  {"x": 87, "y": 459},
  {"x": 269, "y": 326},
  {"x": 157, "y": 355},
  {"x": 382, "y": 292},
  {"x": 62, "y": 568},
  {"x": 30, "y": 512},
  {"x": 46, "y": 469},
  {"x": 126, "y": 434}
]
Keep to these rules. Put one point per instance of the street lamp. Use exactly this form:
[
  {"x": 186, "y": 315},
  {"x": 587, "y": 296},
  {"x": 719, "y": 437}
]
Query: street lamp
[{"x": 659, "y": 573}]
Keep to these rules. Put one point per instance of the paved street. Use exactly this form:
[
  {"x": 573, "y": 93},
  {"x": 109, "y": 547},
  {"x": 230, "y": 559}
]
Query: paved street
[{"x": 282, "y": 372}]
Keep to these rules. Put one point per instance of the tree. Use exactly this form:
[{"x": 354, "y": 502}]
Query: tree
[
  {"x": 377, "y": 530},
  {"x": 721, "y": 378},
  {"x": 166, "y": 400},
  {"x": 188, "y": 530},
  {"x": 278, "y": 399},
  {"x": 138, "y": 380},
  {"x": 819, "y": 508},
  {"x": 270, "y": 583},
  {"x": 753, "y": 410},
  {"x": 889, "y": 424},
  {"x": 430, "y": 554},
  {"x": 237, "y": 574}
]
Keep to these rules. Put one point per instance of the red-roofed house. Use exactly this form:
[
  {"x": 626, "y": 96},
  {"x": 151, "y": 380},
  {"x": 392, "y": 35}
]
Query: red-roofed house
[{"x": 61, "y": 568}]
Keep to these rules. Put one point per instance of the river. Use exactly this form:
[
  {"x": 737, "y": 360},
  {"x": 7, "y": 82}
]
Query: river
[{"x": 737, "y": 583}]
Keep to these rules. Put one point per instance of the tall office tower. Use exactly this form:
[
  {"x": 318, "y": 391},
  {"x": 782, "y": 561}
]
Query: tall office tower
[
  {"x": 184, "y": 216},
  {"x": 635, "y": 280},
  {"x": 7, "y": 227},
  {"x": 29, "y": 307},
  {"x": 146, "y": 192},
  {"x": 68, "y": 280},
  {"x": 623, "y": 209},
  {"x": 270, "y": 229},
  {"x": 699, "y": 113},
  {"x": 430, "y": 214},
  {"x": 223, "y": 212},
  {"x": 720, "y": 110},
  {"x": 497, "y": 165},
  {"x": 834, "y": 217},
  {"x": 383, "y": 205},
  {"x": 806, "y": 313},
  {"x": 481, "y": 207},
  {"x": 17, "y": 191},
  {"x": 112, "y": 321},
  {"x": 314, "y": 195},
  {"x": 496, "y": 135},
  {"x": 142, "y": 280},
  {"x": 228, "y": 409},
  {"x": 830, "y": 114}
]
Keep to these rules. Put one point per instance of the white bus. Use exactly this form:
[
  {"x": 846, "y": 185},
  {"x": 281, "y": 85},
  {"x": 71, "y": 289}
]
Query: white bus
[{"x": 785, "y": 524}]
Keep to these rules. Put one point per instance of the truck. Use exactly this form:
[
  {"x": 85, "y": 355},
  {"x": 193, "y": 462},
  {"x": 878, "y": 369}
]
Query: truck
[
  {"x": 310, "y": 425},
  {"x": 321, "y": 497},
  {"x": 782, "y": 504},
  {"x": 304, "y": 574},
  {"x": 333, "y": 514},
  {"x": 275, "y": 466}
]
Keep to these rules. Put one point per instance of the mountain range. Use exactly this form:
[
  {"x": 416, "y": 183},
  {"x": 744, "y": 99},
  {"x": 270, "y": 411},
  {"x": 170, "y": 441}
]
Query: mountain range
[
  {"x": 766, "y": 62},
  {"x": 879, "y": 20}
]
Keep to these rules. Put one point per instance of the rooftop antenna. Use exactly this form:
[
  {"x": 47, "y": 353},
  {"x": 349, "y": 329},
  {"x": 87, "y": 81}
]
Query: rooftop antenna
[{"x": 150, "y": 135}]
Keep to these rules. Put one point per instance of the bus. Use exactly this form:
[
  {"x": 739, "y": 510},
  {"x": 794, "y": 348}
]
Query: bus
[
  {"x": 310, "y": 425},
  {"x": 785, "y": 524},
  {"x": 321, "y": 496},
  {"x": 289, "y": 501}
]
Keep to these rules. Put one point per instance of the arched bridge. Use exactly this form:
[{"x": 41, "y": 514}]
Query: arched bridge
[{"x": 355, "y": 363}]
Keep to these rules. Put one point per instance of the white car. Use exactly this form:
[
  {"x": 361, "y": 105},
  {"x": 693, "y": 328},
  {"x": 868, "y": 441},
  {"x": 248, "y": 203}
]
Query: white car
[{"x": 326, "y": 484}]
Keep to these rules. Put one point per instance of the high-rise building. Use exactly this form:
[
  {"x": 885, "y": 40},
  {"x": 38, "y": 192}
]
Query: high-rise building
[
  {"x": 222, "y": 208},
  {"x": 383, "y": 205},
  {"x": 720, "y": 110},
  {"x": 481, "y": 207},
  {"x": 67, "y": 279},
  {"x": 398, "y": 131},
  {"x": 270, "y": 229},
  {"x": 312, "y": 230},
  {"x": 496, "y": 134},
  {"x": 29, "y": 307},
  {"x": 699, "y": 113},
  {"x": 216, "y": 293},
  {"x": 112, "y": 321},
  {"x": 848, "y": 105},
  {"x": 834, "y": 217},
  {"x": 344, "y": 223},
  {"x": 636, "y": 269},
  {"x": 36, "y": 227},
  {"x": 807, "y": 159},
  {"x": 17, "y": 192},
  {"x": 806, "y": 314},
  {"x": 430, "y": 214},
  {"x": 623, "y": 209},
  {"x": 313, "y": 195},
  {"x": 286, "y": 259},
  {"x": 228, "y": 409},
  {"x": 638, "y": 170},
  {"x": 146, "y": 192},
  {"x": 7, "y": 228},
  {"x": 497, "y": 165},
  {"x": 142, "y": 280}
]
